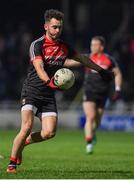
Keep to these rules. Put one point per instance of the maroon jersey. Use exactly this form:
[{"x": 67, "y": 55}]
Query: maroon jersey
[
  {"x": 93, "y": 80},
  {"x": 104, "y": 60},
  {"x": 52, "y": 53}
]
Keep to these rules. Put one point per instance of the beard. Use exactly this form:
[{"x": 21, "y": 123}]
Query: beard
[{"x": 54, "y": 36}]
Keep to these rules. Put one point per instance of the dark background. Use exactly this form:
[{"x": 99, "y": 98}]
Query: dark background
[{"x": 22, "y": 21}]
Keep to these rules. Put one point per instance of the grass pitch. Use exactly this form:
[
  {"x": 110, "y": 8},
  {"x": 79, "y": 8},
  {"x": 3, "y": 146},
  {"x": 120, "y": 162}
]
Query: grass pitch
[{"x": 65, "y": 157}]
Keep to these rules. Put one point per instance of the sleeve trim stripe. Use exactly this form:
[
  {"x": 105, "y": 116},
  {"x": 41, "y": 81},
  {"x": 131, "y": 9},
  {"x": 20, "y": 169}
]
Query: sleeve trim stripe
[
  {"x": 36, "y": 58},
  {"x": 32, "y": 54}
]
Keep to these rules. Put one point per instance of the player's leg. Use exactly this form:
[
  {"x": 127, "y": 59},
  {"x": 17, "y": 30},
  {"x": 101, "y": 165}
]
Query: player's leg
[
  {"x": 90, "y": 112},
  {"x": 49, "y": 124},
  {"x": 100, "y": 111},
  {"x": 48, "y": 117},
  {"x": 18, "y": 143},
  {"x": 100, "y": 103},
  {"x": 33, "y": 109}
]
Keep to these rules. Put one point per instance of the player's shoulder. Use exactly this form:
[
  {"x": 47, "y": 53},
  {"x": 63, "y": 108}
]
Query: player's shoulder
[
  {"x": 111, "y": 58},
  {"x": 38, "y": 42},
  {"x": 108, "y": 55},
  {"x": 36, "y": 46}
]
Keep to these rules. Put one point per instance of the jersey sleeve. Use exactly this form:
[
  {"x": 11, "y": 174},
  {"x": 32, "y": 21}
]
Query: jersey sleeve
[
  {"x": 36, "y": 51},
  {"x": 113, "y": 61}
]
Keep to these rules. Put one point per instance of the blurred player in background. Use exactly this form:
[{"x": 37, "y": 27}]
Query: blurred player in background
[
  {"x": 96, "y": 90},
  {"x": 47, "y": 55}
]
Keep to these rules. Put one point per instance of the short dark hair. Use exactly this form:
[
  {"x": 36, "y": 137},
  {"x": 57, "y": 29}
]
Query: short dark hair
[
  {"x": 100, "y": 38},
  {"x": 53, "y": 13}
]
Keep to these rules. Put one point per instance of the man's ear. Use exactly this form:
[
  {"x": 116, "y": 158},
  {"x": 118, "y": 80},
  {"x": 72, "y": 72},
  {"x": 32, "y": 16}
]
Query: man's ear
[
  {"x": 102, "y": 48},
  {"x": 45, "y": 26}
]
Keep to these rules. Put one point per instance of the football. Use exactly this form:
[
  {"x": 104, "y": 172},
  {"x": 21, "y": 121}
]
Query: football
[{"x": 64, "y": 78}]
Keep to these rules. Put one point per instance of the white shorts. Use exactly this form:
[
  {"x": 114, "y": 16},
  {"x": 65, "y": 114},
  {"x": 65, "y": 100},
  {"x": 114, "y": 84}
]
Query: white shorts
[{"x": 39, "y": 114}]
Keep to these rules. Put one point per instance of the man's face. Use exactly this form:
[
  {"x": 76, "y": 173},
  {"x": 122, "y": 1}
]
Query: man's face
[
  {"x": 54, "y": 28},
  {"x": 96, "y": 47}
]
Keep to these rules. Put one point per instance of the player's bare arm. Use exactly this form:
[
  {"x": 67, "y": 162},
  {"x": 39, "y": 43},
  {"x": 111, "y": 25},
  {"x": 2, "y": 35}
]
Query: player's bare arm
[
  {"x": 71, "y": 63},
  {"x": 87, "y": 62},
  {"x": 38, "y": 64},
  {"x": 118, "y": 78},
  {"x": 118, "y": 83}
]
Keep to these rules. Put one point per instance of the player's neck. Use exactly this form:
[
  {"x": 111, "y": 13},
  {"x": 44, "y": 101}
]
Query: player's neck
[
  {"x": 49, "y": 38},
  {"x": 98, "y": 54}
]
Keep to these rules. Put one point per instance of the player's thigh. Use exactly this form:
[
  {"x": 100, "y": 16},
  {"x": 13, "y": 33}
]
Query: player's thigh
[
  {"x": 89, "y": 109},
  {"x": 48, "y": 114},
  {"x": 49, "y": 123},
  {"x": 27, "y": 116}
]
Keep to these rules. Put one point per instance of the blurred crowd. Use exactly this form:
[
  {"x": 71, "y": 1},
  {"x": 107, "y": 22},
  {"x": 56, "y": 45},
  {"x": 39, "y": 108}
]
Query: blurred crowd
[
  {"x": 14, "y": 55},
  {"x": 83, "y": 19}
]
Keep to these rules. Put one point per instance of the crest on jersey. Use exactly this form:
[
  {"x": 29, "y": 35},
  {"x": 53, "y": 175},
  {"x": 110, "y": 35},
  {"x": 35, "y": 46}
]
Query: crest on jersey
[{"x": 23, "y": 101}]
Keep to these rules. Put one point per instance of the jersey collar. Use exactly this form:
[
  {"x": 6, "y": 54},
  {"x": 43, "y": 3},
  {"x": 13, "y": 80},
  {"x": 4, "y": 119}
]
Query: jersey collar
[{"x": 50, "y": 41}]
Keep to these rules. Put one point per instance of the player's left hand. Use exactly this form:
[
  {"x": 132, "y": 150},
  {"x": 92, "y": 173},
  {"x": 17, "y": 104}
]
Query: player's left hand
[
  {"x": 106, "y": 75},
  {"x": 51, "y": 84},
  {"x": 116, "y": 95}
]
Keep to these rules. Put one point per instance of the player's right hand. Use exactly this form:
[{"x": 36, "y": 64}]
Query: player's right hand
[
  {"x": 116, "y": 95},
  {"x": 51, "y": 84},
  {"x": 106, "y": 75}
]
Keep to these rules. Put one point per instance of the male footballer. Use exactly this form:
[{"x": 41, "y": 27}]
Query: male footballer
[
  {"x": 47, "y": 55},
  {"x": 96, "y": 90}
]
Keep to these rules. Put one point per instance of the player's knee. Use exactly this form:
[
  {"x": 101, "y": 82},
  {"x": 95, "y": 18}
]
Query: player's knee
[
  {"x": 90, "y": 118},
  {"x": 47, "y": 134}
]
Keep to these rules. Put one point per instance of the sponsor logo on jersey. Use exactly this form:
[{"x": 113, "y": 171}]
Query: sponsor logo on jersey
[{"x": 58, "y": 62}]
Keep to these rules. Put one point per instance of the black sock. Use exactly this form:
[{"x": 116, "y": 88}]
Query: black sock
[{"x": 12, "y": 163}]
